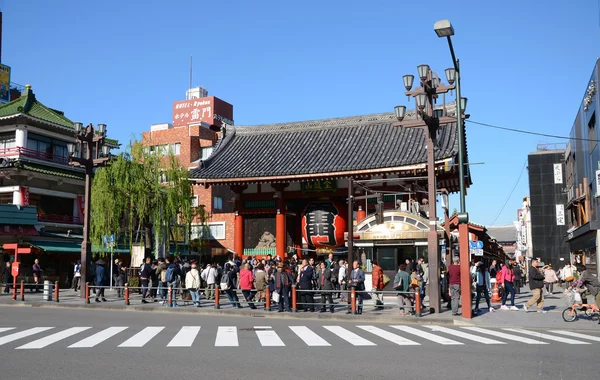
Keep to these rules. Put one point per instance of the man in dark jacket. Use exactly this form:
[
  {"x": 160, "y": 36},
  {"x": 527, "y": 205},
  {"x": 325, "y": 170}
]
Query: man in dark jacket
[
  {"x": 536, "y": 284},
  {"x": 324, "y": 283},
  {"x": 283, "y": 282},
  {"x": 305, "y": 286},
  {"x": 8, "y": 277},
  {"x": 101, "y": 280},
  {"x": 145, "y": 275},
  {"x": 517, "y": 283}
]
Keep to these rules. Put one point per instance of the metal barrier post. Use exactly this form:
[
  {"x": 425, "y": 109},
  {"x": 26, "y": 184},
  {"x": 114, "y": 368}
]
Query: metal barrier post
[
  {"x": 353, "y": 300},
  {"x": 293, "y": 298},
  {"x": 170, "y": 294},
  {"x": 417, "y": 302},
  {"x": 56, "y": 290},
  {"x": 87, "y": 292},
  {"x": 126, "y": 294},
  {"x": 22, "y": 291},
  {"x": 267, "y": 299},
  {"x": 217, "y": 299}
]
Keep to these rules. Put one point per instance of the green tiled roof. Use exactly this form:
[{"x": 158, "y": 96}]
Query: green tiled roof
[
  {"x": 47, "y": 170},
  {"x": 11, "y": 214},
  {"x": 28, "y": 105}
]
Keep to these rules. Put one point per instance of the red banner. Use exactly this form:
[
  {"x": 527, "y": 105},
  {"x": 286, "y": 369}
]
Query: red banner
[
  {"x": 24, "y": 195},
  {"x": 81, "y": 206}
]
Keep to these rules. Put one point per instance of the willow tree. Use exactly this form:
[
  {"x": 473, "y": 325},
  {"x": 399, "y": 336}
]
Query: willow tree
[{"x": 140, "y": 191}]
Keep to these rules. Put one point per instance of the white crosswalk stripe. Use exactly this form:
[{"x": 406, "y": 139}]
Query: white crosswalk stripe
[
  {"x": 546, "y": 336},
  {"x": 267, "y": 336},
  {"x": 22, "y": 334},
  {"x": 185, "y": 337},
  {"x": 389, "y": 336},
  {"x": 576, "y": 335},
  {"x": 46, "y": 341},
  {"x": 349, "y": 336},
  {"x": 227, "y": 337},
  {"x": 502, "y": 335},
  {"x": 140, "y": 339},
  {"x": 309, "y": 337},
  {"x": 98, "y": 338},
  {"x": 462, "y": 334},
  {"x": 427, "y": 335}
]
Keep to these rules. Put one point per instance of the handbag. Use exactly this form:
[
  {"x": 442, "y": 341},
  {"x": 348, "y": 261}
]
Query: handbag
[
  {"x": 276, "y": 296},
  {"x": 386, "y": 280},
  {"x": 398, "y": 285}
]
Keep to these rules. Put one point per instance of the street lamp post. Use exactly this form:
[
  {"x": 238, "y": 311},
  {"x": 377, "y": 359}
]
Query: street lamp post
[
  {"x": 443, "y": 28},
  {"x": 429, "y": 118},
  {"x": 90, "y": 141}
]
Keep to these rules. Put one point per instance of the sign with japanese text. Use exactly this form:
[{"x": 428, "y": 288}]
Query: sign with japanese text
[
  {"x": 560, "y": 215},
  {"x": 558, "y": 176},
  {"x": 318, "y": 186},
  {"x": 209, "y": 110},
  {"x": 4, "y": 84},
  {"x": 323, "y": 226}
]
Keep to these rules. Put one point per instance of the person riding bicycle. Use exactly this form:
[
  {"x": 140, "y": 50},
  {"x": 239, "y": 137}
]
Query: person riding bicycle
[{"x": 589, "y": 281}]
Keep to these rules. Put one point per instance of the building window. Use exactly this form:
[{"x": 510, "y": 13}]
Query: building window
[
  {"x": 592, "y": 132},
  {"x": 7, "y": 140},
  {"x": 209, "y": 231},
  {"x": 46, "y": 148},
  {"x": 217, "y": 203},
  {"x": 165, "y": 149},
  {"x": 206, "y": 152},
  {"x": 195, "y": 201}
]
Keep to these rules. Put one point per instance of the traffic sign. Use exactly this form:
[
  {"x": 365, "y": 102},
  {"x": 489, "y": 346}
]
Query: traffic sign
[
  {"x": 472, "y": 244},
  {"x": 479, "y": 244}
]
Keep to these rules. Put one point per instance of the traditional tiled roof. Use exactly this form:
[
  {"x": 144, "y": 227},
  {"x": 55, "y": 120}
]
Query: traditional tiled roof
[
  {"x": 28, "y": 105},
  {"x": 368, "y": 142},
  {"x": 65, "y": 173},
  {"x": 503, "y": 234}
]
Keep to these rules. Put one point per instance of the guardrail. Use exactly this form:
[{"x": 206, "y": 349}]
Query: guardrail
[{"x": 32, "y": 153}]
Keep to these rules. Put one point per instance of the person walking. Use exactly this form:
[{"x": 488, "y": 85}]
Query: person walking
[
  {"x": 377, "y": 282},
  {"x": 145, "y": 270},
  {"x": 77, "y": 276},
  {"x": 549, "y": 279},
  {"x": 536, "y": 284},
  {"x": 518, "y": 277},
  {"x": 482, "y": 286},
  {"x": 402, "y": 285},
  {"x": 454, "y": 281},
  {"x": 37, "y": 274},
  {"x": 101, "y": 280},
  {"x": 507, "y": 279},
  {"x": 229, "y": 285}
]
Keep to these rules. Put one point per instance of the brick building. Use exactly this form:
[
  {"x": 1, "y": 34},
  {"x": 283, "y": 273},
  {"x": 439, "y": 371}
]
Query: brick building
[{"x": 191, "y": 136}]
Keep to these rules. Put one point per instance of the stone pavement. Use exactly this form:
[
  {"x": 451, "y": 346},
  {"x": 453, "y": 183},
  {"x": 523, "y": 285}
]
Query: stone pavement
[{"x": 554, "y": 304}]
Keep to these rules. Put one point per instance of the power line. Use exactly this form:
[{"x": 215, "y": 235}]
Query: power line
[
  {"x": 509, "y": 195},
  {"x": 529, "y": 132}
]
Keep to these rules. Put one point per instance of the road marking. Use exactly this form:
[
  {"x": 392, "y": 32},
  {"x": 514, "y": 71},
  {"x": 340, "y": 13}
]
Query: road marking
[
  {"x": 227, "y": 337},
  {"x": 98, "y": 338},
  {"x": 185, "y": 337},
  {"x": 268, "y": 338},
  {"x": 505, "y": 336},
  {"x": 464, "y": 335},
  {"x": 143, "y": 337},
  {"x": 349, "y": 336},
  {"x": 546, "y": 336},
  {"x": 428, "y": 336},
  {"x": 309, "y": 337},
  {"x": 23, "y": 334},
  {"x": 576, "y": 335},
  {"x": 389, "y": 336},
  {"x": 3, "y": 329},
  {"x": 46, "y": 341}
]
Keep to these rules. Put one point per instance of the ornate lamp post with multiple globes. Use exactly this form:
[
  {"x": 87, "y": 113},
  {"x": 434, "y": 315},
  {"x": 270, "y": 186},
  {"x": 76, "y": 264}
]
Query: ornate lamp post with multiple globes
[
  {"x": 89, "y": 152},
  {"x": 430, "y": 118}
]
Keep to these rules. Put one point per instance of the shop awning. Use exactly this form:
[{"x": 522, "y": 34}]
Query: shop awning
[{"x": 72, "y": 247}]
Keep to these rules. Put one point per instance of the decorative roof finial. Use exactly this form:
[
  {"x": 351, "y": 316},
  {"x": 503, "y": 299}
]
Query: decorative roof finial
[{"x": 28, "y": 86}]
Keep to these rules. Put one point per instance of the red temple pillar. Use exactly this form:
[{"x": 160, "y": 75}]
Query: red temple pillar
[
  {"x": 465, "y": 270},
  {"x": 238, "y": 239},
  {"x": 280, "y": 232}
]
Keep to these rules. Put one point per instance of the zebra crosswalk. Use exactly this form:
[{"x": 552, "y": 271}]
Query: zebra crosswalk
[{"x": 124, "y": 337}]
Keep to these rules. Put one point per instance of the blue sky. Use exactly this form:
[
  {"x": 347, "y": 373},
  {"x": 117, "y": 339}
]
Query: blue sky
[{"x": 525, "y": 64}]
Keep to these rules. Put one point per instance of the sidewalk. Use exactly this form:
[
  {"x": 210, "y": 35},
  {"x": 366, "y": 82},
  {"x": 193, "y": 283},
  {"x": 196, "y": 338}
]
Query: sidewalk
[{"x": 555, "y": 304}]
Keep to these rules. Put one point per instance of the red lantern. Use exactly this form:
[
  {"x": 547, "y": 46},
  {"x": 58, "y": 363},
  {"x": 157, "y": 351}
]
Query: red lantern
[{"x": 324, "y": 224}]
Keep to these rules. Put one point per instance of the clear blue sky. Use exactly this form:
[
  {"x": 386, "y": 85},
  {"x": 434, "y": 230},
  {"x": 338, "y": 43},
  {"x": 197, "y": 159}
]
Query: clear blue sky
[{"x": 525, "y": 64}]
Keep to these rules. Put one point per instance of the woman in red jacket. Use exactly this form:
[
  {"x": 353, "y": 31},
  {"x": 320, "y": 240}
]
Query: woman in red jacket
[
  {"x": 247, "y": 284},
  {"x": 507, "y": 279}
]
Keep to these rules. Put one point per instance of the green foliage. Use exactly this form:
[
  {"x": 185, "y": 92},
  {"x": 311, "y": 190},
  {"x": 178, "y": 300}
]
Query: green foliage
[{"x": 139, "y": 188}]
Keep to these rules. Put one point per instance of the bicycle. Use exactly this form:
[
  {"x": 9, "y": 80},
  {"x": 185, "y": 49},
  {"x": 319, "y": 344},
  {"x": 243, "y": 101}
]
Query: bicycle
[{"x": 571, "y": 314}]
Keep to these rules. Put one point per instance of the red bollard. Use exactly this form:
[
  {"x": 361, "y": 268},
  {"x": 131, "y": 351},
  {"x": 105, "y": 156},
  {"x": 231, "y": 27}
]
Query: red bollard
[
  {"x": 56, "y": 290},
  {"x": 22, "y": 290},
  {"x": 417, "y": 302},
  {"x": 267, "y": 299},
  {"x": 126, "y": 294},
  {"x": 87, "y": 292},
  {"x": 353, "y": 300},
  {"x": 217, "y": 299},
  {"x": 170, "y": 295},
  {"x": 293, "y": 298}
]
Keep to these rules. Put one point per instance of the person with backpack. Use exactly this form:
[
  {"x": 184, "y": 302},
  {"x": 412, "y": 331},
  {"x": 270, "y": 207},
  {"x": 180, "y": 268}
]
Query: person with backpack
[
  {"x": 161, "y": 272},
  {"x": 145, "y": 271},
  {"x": 171, "y": 276},
  {"x": 229, "y": 284}
]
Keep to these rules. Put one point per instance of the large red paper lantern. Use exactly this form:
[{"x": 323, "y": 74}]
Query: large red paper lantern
[{"x": 324, "y": 225}]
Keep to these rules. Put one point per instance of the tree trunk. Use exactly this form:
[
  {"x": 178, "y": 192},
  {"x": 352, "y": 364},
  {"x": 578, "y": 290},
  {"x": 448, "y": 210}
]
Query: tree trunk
[{"x": 148, "y": 239}]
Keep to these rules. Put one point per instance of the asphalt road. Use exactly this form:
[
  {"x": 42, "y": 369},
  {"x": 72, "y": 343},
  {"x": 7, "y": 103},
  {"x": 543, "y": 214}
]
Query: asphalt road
[{"x": 35, "y": 343}]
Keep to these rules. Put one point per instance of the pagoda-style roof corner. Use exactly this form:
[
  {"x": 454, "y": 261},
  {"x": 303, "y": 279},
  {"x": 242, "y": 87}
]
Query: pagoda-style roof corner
[{"x": 28, "y": 106}]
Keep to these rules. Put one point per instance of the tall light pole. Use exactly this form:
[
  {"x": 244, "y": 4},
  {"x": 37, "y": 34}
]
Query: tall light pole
[
  {"x": 429, "y": 118},
  {"x": 90, "y": 141},
  {"x": 443, "y": 28}
]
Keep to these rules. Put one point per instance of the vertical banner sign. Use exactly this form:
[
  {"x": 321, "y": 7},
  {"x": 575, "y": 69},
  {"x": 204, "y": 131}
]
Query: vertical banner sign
[
  {"x": 560, "y": 215},
  {"x": 81, "y": 204},
  {"x": 597, "y": 183},
  {"x": 4, "y": 84},
  {"x": 558, "y": 177},
  {"x": 25, "y": 195}
]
